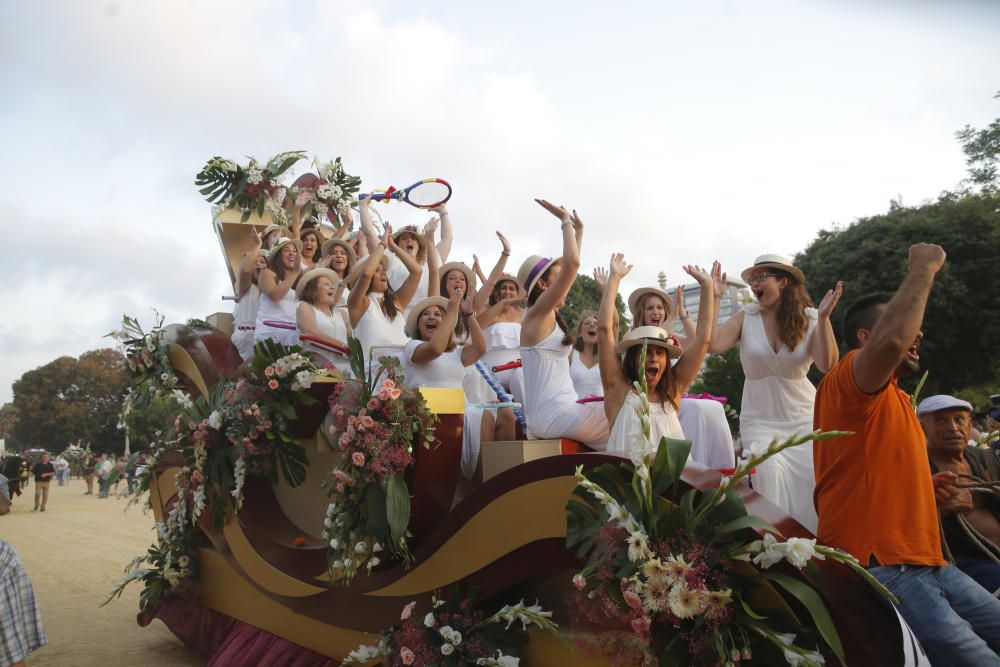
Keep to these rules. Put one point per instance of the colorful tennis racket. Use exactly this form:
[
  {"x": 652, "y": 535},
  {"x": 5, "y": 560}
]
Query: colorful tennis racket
[{"x": 427, "y": 193}]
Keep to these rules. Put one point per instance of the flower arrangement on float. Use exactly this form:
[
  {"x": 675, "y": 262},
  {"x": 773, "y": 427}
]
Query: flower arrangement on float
[
  {"x": 331, "y": 194},
  {"x": 455, "y": 632},
  {"x": 252, "y": 188},
  {"x": 681, "y": 579},
  {"x": 375, "y": 424},
  {"x": 148, "y": 360}
]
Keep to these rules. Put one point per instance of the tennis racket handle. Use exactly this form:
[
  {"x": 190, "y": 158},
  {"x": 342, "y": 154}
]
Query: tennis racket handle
[
  {"x": 374, "y": 196},
  {"x": 506, "y": 367}
]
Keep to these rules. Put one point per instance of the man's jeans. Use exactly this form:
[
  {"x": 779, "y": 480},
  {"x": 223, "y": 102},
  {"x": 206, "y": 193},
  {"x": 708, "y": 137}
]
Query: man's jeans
[{"x": 956, "y": 620}]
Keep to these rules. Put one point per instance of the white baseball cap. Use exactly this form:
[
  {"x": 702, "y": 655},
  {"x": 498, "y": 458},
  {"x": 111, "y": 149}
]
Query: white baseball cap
[{"x": 941, "y": 402}]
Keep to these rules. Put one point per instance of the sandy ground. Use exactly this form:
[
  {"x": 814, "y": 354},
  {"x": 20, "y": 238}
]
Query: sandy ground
[{"x": 75, "y": 552}]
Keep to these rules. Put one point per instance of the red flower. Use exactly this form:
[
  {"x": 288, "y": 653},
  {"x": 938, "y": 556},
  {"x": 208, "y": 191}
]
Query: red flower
[{"x": 273, "y": 384}]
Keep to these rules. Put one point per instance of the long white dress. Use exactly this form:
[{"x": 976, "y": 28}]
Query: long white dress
[
  {"x": 379, "y": 336},
  {"x": 778, "y": 401},
  {"x": 663, "y": 422},
  {"x": 706, "y": 426},
  {"x": 447, "y": 370},
  {"x": 276, "y": 311},
  {"x": 586, "y": 381},
  {"x": 550, "y": 406},
  {"x": 397, "y": 275},
  {"x": 503, "y": 345},
  {"x": 245, "y": 321},
  {"x": 335, "y": 326}
]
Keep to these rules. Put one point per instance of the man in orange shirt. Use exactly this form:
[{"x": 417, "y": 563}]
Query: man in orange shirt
[{"x": 874, "y": 493}]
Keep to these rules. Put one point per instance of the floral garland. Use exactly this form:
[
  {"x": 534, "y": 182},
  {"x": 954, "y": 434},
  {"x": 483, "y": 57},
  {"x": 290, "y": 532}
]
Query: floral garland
[
  {"x": 251, "y": 188},
  {"x": 331, "y": 195},
  {"x": 148, "y": 360},
  {"x": 375, "y": 425},
  {"x": 675, "y": 579},
  {"x": 453, "y": 633}
]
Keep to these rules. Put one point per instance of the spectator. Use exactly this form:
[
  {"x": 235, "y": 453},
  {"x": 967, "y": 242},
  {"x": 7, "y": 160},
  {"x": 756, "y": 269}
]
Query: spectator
[
  {"x": 874, "y": 496},
  {"x": 89, "y": 473},
  {"x": 4, "y": 495},
  {"x": 21, "y": 630},
  {"x": 43, "y": 471},
  {"x": 62, "y": 470},
  {"x": 104, "y": 468}
]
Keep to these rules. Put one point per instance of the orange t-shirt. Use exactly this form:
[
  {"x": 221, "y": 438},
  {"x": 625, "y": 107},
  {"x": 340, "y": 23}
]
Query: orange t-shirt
[{"x": 874, "y": 493}]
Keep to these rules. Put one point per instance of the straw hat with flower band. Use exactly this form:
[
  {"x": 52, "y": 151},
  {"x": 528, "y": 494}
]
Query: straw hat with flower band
[
  {"x": 772, "y": 261},
  {"x": 313, "y": 274},
  {"x": 457, "y": 266},
  {"x": 532, "y": 269},
  {"x": 328, "y": 247},
  {"x": 654, "y": 336},
  {"x": 422, "y": 305},
  {"x": 355, "y": 273},
  {"x": 636, "y": 296},
  {"x": 281, "y": 243}
]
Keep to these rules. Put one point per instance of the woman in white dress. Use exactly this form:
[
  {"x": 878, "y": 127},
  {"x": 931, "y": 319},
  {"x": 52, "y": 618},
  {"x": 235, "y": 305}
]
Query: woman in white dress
[
  {"x": 248, "y": 299},
  {"x": 375, "y": 308},
  {"x": 780, "y": 336},
  {"x": 342, "y": 259},
  {"x": 500, "y": 306},
  {"x": 318, "y": 316},
  {"x": 550, "y": 406},
  {"x": 704, "y": 421},
  {"x": 583, "y": 367},
  {"x": 432, "y": 359},
  {"x": 665, "y": 383},
  {"x": 277, "y": 294},
  {"x": 312, "y": 241}
]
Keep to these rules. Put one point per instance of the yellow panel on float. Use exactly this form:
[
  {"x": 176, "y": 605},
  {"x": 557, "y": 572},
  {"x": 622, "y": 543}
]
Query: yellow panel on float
[
  {"x": 259, "y": 570},
  {"x": 444, "y": 400}
]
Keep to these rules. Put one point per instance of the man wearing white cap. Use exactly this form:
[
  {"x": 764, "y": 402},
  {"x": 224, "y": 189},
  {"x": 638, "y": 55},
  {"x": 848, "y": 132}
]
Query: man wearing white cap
[{"x": 970, "y": 519}]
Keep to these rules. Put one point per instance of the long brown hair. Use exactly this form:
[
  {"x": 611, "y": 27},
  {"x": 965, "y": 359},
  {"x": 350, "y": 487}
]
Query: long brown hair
[
  {"x": 584, "y": 316},
  {"x": 319, "y": 243},
  {"x": 460, "y": 331},
  {"x": 667, "y": 386},
  {"x": 536, "y": 292},
  {"x": 275, "y": 264},
  {"x": 640, "y": 308},
  {"x": 495, "y": 294},
  {"x": 791, "y": 313}
]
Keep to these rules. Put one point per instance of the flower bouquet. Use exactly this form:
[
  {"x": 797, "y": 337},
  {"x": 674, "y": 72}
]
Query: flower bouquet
[
  {"x": 329, "y": 195},
  {"x": 251, "y": 188},
  {"x": 454, "y": 633},
  {"x": 681, "y": 579},
  {"x": 148, "y": 360},
  {"x": 375, "y": 425}
]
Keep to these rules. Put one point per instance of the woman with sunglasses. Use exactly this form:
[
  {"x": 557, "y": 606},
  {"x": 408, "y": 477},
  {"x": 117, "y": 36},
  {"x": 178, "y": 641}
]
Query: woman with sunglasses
[{"x": 780, "y": 336}]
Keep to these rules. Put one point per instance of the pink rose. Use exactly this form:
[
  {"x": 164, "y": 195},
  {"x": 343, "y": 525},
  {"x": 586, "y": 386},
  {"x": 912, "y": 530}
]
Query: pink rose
[
  {"x": 192, "y": 426},
  {"x": 269, "y": 371},
  {"x": 383, "y": 393},
  {"x": 273, "y": 384},
  {"x": 394, "y": 394},
  {"x": 579, "y": 582},
  {"x": 358, "y": 459},
  {"x": 367, "y": 422},
  {"x": 632, "y": 599},
  {"x": 267, "y": 424},
  {"x": 641, "y": 625},
  {"x": 373, "y": 404},
  {"x": 406, "y": 655},
  {"x": 407, "y": 611},
  {"x": 387, "y": 383}
]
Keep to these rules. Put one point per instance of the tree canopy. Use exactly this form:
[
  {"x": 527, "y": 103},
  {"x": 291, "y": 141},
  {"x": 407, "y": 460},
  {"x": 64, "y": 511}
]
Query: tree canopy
[{"x": 586, "y": 295}]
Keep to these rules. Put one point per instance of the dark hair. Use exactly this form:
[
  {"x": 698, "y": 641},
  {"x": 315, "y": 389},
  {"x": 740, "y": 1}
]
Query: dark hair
[
  {"x": 460, "y": 330},
  {"x": 451, "y": 339},
  {"x": 791, "y": 314},
  {"x": 275, "y": 264},
  {"x": 309, "y": 292},
  {"x": 585, "y": 315},
  {"x": 862, "y": 314},
  {"x": 536, "y": 292},
  {"x": 667, "y": 386},
  {"x": 412, "y": 229},
  {"x": 495, "y": 294},
  {"x": 319, "y": 241}
]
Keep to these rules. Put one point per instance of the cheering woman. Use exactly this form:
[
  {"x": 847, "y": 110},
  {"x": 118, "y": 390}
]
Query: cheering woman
[{"x": 277, "y": 294}]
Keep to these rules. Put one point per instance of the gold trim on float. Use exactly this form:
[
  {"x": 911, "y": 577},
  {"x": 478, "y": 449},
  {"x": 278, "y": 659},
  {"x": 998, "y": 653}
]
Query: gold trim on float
[
  {"x": 225, "y": 591},
  {"x": 181, "y": 360},
  {"x": 444, "y": 400},
  {"x": 259, "y": 570},
  {"x": 163, "y": 488},
  {"x": 529, "y": 513}
]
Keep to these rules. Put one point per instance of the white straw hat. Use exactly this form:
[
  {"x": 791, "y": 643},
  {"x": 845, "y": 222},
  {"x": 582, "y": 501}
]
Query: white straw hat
[
  {"x": 772, "y": 261},
  {"x": 422, "y": 305},
  {"x": 634, "y": 297},
  {"x": 654, "y": 336},
  {"x": 313, "y": 274}
]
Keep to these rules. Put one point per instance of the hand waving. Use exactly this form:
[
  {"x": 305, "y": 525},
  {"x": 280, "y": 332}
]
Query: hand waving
[
  {"x": 619, "y": 268},
  {"x": 830, "y": 300},
  {"x": 702, "y": 276},
  {"x": 601, "y": 277},
  {"x": 718, "y": 280}
]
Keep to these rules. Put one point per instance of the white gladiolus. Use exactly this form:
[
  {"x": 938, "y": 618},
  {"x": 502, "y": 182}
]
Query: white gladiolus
[{"x": 799, "y": 550}]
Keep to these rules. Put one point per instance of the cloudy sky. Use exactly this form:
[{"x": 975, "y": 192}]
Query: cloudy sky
[{"x": 682, "y": 132}]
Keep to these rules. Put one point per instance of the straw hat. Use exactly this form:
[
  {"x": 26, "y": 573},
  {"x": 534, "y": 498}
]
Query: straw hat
[
  {"x": 355, "y": 273},
  {"x": 531, "y": 270},
  {"x": 281, "y": 243},
  {"x": 313, "y": 274},
  {"x": 270, "y": 228},
  {"x": 328, "y": 247},
  {"x": 457, "y": 266},
  {"x": 422, "y": 305},
  {"x": 772, "y": 261},
  {"x": 411, "y": 229},
  {"x": 634, "y": 297},
  {"x": 653, "y": 336}
]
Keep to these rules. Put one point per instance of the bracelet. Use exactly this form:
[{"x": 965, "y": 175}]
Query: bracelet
[
  {"x": 566, "y": 224},
  {"x": 466, "y": 316},
  {"x": 685, "y": 316},
  {"x": 505, "y": 254}
]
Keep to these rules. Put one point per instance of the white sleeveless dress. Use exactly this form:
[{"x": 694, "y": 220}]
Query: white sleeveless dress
[
  {"x": 778, "y": 401},
  {"x": 281, "y": 311},
  {"x": 377, "y": 332},
  {"x": 397, "y": 275},
  {"x": 335, "y": 326},
  {"x": 586, "y": 381},
  {"x": 706, "y": 426},
  {"x": 503, "y": 345},
  {"x": 245, "y": 321},
  {"x": 550, "y": 406},
  {"x": 663, "y": 422}
]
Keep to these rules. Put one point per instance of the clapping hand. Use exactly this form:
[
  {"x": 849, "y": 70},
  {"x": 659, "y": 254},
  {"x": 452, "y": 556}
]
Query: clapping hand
[
  {"x": 429, "y": 228},
  {"x": 830, "y": 300},
  {"x": 468, "y": 307},
  {"x": 504, "y": 242},
  {"x": 702, "y": 276},
  {"x": 601, "y": 277},
  {"x": 718, "y": 280},
  {"x": 619, "y": 268}
]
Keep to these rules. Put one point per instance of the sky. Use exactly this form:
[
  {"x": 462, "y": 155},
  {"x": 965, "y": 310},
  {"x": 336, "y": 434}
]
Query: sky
[{"x": 681, "y": 131}]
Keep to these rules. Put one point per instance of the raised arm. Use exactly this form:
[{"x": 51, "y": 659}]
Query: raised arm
[
  {"x": 367, "y": 228},
  {"x": 409, "y": 287},
  {"x": 432, "y": 349},
  {"x": 296, "y": 228},
  {"x": 612, "y": 378},
  {"x": 823, "y": 344},
  {"x": 433, "y": 260},
  {"x": 686, "y": 369},
  {"x": 276, "y": 289},
  {"x": 897, "y": 330},
  {"x": 476, "y": 347},
  {"x": 682, "y": 314},
  {"x": 444, "y": 246},
  {"x": 492, "y": 313},
  {"x": 727, "y": 335},
  {"x": 357, "y": 298},
  {"x": 489, "y": 283},
  {"x": 247, "y": 265},
  {"x": 572, "y": 229}
]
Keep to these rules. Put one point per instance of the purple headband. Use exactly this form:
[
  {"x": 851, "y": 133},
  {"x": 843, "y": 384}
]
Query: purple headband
[{"x": 535, "y": 270}]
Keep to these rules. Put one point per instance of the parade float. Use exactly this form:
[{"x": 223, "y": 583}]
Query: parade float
[{"x": 305, "y": 518}]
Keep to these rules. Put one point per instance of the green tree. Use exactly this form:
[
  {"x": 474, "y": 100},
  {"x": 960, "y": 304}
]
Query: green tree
[
  {"x": 962, "y": 320},
  {"x": 982, "y": 153},
  {"x": 722, "y": 375},
  {"x": 69, "y": 399},
  {"x": 586, "y": 295}
]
